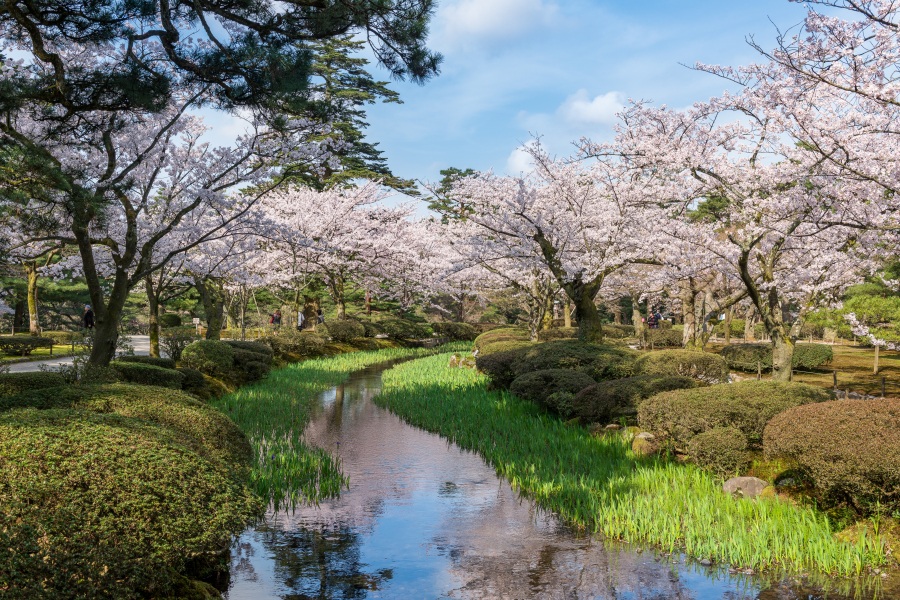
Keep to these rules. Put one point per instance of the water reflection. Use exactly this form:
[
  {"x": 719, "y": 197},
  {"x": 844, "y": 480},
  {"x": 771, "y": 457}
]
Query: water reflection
[{"x": 424, "y": 519}]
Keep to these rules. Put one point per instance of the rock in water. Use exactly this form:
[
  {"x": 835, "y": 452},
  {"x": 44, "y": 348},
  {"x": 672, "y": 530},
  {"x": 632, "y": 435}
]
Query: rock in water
[{"x": 749, "y": 487}]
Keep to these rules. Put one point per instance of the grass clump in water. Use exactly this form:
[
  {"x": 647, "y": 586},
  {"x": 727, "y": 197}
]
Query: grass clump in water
[
  {"x": 274, "y": 412},
  {"x": 598, "y": 484}
]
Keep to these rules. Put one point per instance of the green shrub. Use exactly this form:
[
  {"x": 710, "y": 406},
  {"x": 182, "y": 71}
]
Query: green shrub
[
  {"x": 456, "y": 332},
  {"x": 23, "y": 345},
  {"x": 664, "y": 338},
  {"x": 721, "y": 450},
  {"x": 502, "y": 334},
  {"x": 64, "y": 338},
  {"x": 702, "y": 366},
  {"x": 370, "y": 328},
  {"x": 342, "y": 330},
  {"x": 106, "y": 506},
  {"x": 169, "y": 320},
  {"x": 812, "y": 356},
  {"x": 558, "y": 333},
  {"x": 255, "y": 347},
  {"x": 194, "y": 382},
  {"x": 174, "y": 341},
  {"x": 848, "y": 449},
  {"x": 15, "y": 383},
  {"x": 747, "y": 406},
  {"x": 608, "y": 401},
  {"x": 616, "y": 333},
  {"x": 597, "y": 361},
  {"x": 291, "y": 343},
  {"x": 144, "y": 374},
  {"x": 737, "y": 328},
  {"x": 745, "y": 357},
  {"x": 211, "y": 357},
  {"x": 165, "y": 363},
  {"x": 495, "y": 347},
  {"x": 664, "y": 324},
  {"x": 250, "y": 366},
  {"x": 538, "y": 386},
  {"x": 498, "y": 366},
  {"x": 403, "y": 329}
]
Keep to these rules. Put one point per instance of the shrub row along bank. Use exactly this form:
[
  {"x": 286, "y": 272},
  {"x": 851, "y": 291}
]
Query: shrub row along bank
[
  {"x": 116, "y": 491},
  {"x": 273, "y": 413},
  {"x": 598, "y": 484}
]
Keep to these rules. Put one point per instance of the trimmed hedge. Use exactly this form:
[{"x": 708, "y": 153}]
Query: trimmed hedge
[
  {"x": 16, "y": 383},
  {"x": 502, "y": 334},
  {"x": 558, "y": 333},
  {"x": 257, "y": 347},
  {"x": 342, "y": 330},
  {"x": 169, "y": 320},
  {"x": 165, "y": 363},
  {"x": 111, "y": 506},
  {"x": 747, "y": 406},
  {"x": 598, "y": 361},
  {"x": 702, "y": 366},
  {"x": 495, "y": 347},
  {"x": 498, "y": 366},
  {"x": 608, "y": 401},
  {"x": 665, "y": 338},
  {"x": 457, "y": 332},
  {"x": 290, "y": 343},
  {"x": 848, "y": 449},
  {"x": 144, "y": 374},
  {"x": 194, "y": 383},
  {"x": 744, "y": 357},
  {"x": 64, "y": 338},
  {"x": 23, "y": 345},
  {"x": 722, "y": 450},
  {"x": 211, "y": 357},
  {"x": 538, "y": 386},
  {"x": 617, "y": 333},
  {"x": 402, "y": 329}
]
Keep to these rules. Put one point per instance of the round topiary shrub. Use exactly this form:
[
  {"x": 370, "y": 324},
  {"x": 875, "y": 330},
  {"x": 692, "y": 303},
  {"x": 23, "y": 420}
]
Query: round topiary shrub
[
  {"x": 403, "y": 329},
  {"x": 597, "y": 361},
  {"x": 165, "y": 363},
  {"x": 498, "y": 366},
  {"x": 371, "y": 328},
  {"x": 194, "y": 383},
  {"x": 559, "y": 333},
  {"x": 15, "y": 383},
  {"x": 495, "y": 347},
  {"x": 848, "y": 449},
  {"x": 538, "y": 386},
  {"x": 664, "y": 338},
  {"x": 608, "y": 401},
  {"x": 702, "y": 366},
  {"x": 256, "y": 347},
  {"x": 169, "y": 320},
  {"x": 105, "y": 506},
  {"x": 144, "y": 374},
  {"x": 721, "y": 450},
  {"x": 210, "y": 357},
  {"x": 503, "y": 334},
  {"x": 747, "y": 406},
  {"x": 457, "y": 332},
  {"x": 342, "y": 330}
]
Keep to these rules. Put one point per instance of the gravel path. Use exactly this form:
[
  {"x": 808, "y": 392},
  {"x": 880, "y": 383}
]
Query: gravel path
[{"x": 141, "y": 345}]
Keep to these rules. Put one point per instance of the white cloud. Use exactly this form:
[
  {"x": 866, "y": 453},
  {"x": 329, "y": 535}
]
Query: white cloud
[
  {"x": 520, "y": 161},
  {"x": 467, "y": 23},
  {"x": 581, "y": 109}
]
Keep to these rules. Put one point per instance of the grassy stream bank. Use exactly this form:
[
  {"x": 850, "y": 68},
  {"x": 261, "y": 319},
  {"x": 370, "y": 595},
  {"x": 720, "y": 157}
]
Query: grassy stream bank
[
  {"x": 598, "y": 484},
  {"x": 274, "y": 412}
]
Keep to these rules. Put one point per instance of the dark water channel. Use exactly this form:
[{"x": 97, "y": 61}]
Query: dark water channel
[{"x": 424, "y": 519}]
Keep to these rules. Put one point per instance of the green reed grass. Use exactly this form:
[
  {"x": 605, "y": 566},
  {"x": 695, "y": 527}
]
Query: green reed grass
[
  {"x": 598, "y": 484},
  {"x": 274, "y": 412}
]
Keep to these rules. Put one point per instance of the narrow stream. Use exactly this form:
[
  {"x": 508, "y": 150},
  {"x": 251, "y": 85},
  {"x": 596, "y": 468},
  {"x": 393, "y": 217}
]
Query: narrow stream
[{"x": 425, "y": 519}]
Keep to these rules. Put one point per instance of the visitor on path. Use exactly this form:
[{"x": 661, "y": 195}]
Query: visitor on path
[
  {"x": 275, "y": 319},
  {"x": 301, "y": 319},
  {"x": 87, "y": 319},
  {"x": 319, "y": 316}
]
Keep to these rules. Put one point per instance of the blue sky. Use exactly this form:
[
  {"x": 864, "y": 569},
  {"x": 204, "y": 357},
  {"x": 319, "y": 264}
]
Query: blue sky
[{"x": 560, "y": 69}]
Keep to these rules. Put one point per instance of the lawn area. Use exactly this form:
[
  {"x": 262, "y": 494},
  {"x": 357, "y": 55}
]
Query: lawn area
[
  {"x": 597, "y": 483},
  {"x": 57, "y": 351}
]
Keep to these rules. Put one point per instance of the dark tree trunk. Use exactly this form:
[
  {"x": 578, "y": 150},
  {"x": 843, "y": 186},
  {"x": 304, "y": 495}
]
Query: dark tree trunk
[
  {"x": 213, "y": 305},
  {"x": 153, "y": 301},
  {"x": 31, "y": 273}
]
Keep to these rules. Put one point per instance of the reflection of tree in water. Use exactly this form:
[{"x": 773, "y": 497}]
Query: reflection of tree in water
[{"x": 313, "y": 563}]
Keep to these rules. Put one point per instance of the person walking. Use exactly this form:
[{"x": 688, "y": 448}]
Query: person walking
[
  {"x": 301, "y": 318},
  {"x": 276, "y": 319},
  {"x": 87, "y": 319}
]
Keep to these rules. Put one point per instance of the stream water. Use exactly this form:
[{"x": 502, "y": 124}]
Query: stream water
[{"x": 424, "y": 519}]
